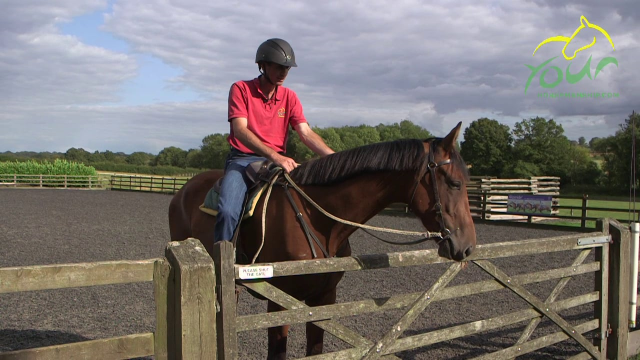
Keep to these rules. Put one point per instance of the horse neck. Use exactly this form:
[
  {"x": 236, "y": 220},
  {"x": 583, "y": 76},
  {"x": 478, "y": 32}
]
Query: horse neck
[{"x": 362, "y": 197}]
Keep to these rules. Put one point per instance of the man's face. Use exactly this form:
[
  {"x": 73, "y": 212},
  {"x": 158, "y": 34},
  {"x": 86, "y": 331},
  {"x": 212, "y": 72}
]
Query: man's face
[{"x": 277, "y": 73}]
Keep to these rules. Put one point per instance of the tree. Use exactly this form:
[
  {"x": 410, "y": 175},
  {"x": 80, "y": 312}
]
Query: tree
[
  {"x": 593, "y": 142},
  {"x": 116, "y": 158},
  {"x": 389, "y": 132},
  {"x": 410, "y": 130},
  {"x": 331, "y": 138},
  {"x": 487, "y": 147},
  {"x": 349, "y": 137},
  {"x": 140, "y": 158},
  {"x": 616, "y": 151},
  {"x": 195, "y": 159},
  {"x": 582, "y": 141},
  {"x": 97, "y": 157},
  {"x": 77, "y": 155},
  {"x": 582, "y": 169},
  {"x": 172, "y": 156},
  {"x": 543, "y": 143},
  {"x": 521, "y": 169},
  {"x": 214, "y": 151}
]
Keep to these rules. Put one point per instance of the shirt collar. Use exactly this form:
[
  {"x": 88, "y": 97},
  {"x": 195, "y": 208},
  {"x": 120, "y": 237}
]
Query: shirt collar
[{"x": 278, "y": 94}]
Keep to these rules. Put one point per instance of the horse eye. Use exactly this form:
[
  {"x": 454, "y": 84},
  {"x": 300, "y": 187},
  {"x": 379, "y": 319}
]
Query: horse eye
[{"x": 455, "y": 184}]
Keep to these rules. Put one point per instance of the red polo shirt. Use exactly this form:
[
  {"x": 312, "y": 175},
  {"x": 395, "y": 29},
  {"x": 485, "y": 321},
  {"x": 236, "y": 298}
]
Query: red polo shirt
[{"x": 267, "y": 119}]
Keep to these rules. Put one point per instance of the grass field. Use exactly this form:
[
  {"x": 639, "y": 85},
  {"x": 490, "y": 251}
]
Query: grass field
[{"x": 621, "y": 212}]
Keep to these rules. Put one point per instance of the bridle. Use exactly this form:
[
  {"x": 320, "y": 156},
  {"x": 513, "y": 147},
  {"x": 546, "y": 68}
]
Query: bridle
[{"x": 431, "y": 165}]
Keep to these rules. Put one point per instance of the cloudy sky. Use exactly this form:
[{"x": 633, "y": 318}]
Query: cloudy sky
[{"x": 129, "y": 76}]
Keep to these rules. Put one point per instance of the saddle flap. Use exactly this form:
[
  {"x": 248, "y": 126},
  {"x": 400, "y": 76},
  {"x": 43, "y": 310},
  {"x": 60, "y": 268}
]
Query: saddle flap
[{"x": 259, "y": 171}]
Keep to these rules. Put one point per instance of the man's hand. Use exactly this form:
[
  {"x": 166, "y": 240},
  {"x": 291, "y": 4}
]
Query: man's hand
[{"x": 286, "y": 163}]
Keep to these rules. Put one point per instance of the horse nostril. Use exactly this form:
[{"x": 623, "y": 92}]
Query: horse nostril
[{"x": 469, "y": 251}]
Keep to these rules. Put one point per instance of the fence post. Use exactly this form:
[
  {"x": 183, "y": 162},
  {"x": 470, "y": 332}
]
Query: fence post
[
  {"x": 164, "y": 294},
  {"x": 162, "y": 184},
  {"x": 195, "y": 311},
  {"x": 40, "y": 180},
  {"x": 619, "y": 258},
  {"x": 90, "y": 181},
  {"x": 15, "y": 180},
  {"x": 583, "y": 218},
  {"x": 223, "y": 255},
  {"x": 65, "y": 181}
]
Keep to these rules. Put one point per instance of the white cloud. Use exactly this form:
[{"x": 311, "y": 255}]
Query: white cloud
[
  {"x": 359, "y": 62},
  {"x": 39, "y": 65}
]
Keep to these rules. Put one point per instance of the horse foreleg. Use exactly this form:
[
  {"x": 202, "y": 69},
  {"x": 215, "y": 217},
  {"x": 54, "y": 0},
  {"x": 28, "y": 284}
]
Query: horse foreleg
[
  {"x": 315, "y": 334},
  {"x": 277, "y": 336}
]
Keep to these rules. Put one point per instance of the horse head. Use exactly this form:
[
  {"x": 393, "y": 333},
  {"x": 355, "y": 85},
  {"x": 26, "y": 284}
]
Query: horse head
[
  {"x": 440, "y": 199},
  {"x": 584, "y": 23}
]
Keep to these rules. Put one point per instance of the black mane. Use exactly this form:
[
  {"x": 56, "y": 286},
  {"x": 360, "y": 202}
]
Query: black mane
[{"x": 398, "y": 155}]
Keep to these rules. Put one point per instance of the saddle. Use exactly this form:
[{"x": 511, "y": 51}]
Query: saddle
[{"x": 260, "y": 174}]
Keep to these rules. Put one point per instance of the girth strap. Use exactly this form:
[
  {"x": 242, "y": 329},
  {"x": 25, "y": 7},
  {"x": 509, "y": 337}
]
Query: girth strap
[{"x": 309, "y": 234}]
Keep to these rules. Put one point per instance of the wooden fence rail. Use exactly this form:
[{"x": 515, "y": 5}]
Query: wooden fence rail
[
  {"x": 52, "y": 181},
  {"x": 161, "y": 184},
  {"x": 184, "y": 284}
]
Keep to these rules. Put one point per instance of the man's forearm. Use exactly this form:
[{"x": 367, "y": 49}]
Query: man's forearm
[
  {"x": 250, "y": 140},
  {"x": 316, "y": 144}
]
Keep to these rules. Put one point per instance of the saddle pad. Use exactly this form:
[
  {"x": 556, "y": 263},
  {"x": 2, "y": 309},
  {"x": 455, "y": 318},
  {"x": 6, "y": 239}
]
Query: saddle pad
[{"x": 210, "y": 205}]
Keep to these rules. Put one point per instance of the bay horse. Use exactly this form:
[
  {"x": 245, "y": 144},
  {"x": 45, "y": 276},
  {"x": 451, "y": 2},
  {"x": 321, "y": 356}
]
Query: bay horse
[{"x": 428, "y": 175}]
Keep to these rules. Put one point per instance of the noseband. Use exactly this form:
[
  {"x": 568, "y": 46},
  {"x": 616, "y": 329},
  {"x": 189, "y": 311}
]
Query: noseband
[{"x": 431, "y": 165}]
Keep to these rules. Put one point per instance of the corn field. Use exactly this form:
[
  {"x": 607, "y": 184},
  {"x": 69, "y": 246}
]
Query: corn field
[
  {"x": 61, "y": 172},
  {"x": 58, "y": 167}
]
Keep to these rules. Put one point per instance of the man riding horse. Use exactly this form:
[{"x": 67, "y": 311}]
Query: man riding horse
[{"x": 260, "y": 113}]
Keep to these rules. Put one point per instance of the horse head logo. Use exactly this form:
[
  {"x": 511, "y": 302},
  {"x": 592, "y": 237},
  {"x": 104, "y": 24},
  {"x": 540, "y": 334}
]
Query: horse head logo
[{"x": 583, "y": 23}]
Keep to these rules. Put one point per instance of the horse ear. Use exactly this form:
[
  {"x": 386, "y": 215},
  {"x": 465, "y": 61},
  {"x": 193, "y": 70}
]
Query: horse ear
[
  {"x": 584, "y": 21},
  {"x": 449, "y": 142}
]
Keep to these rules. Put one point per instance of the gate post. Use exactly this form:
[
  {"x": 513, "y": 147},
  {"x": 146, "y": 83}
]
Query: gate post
[
  {"x": 195, "y": 310},
  {"x": 601, "y": 307},
  {"x": 619, "y": 290},
  {"x": 223, "y": 257}
]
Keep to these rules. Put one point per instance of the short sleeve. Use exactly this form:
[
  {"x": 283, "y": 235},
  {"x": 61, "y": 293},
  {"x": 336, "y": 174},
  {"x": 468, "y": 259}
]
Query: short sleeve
[
  {"x": 238, "y": 102},
  {"x": 296, "y": 114}
]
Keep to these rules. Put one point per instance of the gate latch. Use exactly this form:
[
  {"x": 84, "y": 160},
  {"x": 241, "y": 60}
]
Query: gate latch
[
  {"x": 605, "y": 334},
  {"x": 594, "y": 240}
]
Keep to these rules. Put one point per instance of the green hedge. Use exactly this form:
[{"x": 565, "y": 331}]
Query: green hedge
[{"x": 145, "y": 169}]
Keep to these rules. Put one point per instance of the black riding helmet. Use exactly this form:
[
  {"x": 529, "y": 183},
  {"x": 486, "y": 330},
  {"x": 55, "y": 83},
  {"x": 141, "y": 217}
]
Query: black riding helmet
[{"x": 276, "y": 51}]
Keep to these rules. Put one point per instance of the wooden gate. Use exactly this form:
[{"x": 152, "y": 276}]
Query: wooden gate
[{"x": 610, "y": 244}]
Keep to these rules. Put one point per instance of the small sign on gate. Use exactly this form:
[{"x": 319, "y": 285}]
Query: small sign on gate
[{"x": 256, "y": 272}]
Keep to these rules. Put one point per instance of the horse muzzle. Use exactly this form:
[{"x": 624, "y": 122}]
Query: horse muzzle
[{"x": 447, "y": 249}]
